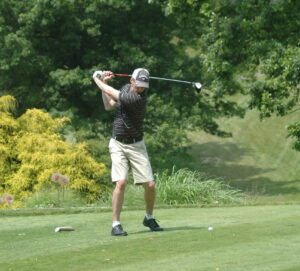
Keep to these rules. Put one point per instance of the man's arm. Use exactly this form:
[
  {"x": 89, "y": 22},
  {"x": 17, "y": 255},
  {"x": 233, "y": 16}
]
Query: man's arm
[
  {"x": 109, "y": 94},
  {"x": 109, "y": 103}
]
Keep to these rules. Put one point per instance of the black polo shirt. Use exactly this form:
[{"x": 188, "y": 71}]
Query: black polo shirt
[{"x": 130, "y": 114}]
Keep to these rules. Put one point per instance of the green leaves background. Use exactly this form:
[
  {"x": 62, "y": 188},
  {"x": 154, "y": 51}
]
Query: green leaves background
[{"x": 49, "y": 49}]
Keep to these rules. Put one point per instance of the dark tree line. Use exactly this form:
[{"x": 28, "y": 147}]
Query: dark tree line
[{"x": 49, "y": 49}]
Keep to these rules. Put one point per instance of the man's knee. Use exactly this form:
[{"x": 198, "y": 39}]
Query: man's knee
[
  {"x": 121, "y": 185},
  {"x": 149, "y": 185}
]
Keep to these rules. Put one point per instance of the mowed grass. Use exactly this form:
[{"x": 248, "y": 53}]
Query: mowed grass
[
  {"x": 244, "y": 238},
  {"x": 258, "y": 158}
]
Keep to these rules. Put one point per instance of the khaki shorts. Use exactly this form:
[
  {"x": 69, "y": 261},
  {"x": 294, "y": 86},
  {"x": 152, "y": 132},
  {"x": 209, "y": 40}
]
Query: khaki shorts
[{"x": 133, "y": 155}]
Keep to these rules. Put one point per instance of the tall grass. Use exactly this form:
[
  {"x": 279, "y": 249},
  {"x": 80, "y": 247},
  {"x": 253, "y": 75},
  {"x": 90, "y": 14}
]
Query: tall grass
[
  {"x": 181, "y": 186},
  {"x": 193, "y": 187}
]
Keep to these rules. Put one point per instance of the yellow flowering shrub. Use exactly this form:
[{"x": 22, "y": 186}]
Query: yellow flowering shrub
[{"x": 32, "y": 149}]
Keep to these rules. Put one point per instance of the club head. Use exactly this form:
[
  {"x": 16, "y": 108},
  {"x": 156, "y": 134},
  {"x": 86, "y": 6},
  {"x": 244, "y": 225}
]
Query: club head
[{"x": 197, "y": 86}]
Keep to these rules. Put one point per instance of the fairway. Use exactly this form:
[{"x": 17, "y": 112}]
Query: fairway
[
  {"x": 258, "y": 158},
  {"x": 244, "y": 238}
]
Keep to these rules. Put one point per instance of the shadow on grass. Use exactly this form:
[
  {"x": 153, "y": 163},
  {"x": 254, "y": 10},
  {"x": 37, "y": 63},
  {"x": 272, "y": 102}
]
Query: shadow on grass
[
  {"x": 222, "y": 160},
  {"x": 224, "y": 151},
  {"x": 185, "y": 228},
  {"x": 265, "y": 186}
]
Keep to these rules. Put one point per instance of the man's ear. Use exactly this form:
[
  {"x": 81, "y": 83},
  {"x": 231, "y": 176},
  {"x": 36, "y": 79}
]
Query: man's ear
[{"x": 132, "y": 81}]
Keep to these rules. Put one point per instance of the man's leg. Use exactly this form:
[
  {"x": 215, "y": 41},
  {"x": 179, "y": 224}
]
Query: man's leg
[
  {"x": 118, "y": 198},
  {"x": 117, "y": 203},
  {"x": 142, "y": 171},
  {"x": 149, "y": 196},
  {"x": 149, "y": 220}
]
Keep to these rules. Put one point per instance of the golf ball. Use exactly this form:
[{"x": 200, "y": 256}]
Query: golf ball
[{"x": 210, "y": 228}]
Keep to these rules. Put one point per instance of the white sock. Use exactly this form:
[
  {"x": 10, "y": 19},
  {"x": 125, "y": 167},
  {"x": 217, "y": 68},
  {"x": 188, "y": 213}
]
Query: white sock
[
  {"x": 149, "y": 216},
  {"x": 116, "y": 223}
]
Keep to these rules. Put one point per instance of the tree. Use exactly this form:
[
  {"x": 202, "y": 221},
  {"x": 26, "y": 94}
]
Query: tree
[
  {"x": 53, "y": 47},
  {"x": 251, "y": 47},
  {"x": 232, "y": 47},
  {"x": 49, "y": 49}
]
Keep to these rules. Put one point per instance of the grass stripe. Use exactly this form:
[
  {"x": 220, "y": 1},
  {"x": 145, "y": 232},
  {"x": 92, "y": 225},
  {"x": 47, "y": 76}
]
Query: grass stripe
[
  {"x": 219, "y": 244},
  {"x": 256, "y": 237}
]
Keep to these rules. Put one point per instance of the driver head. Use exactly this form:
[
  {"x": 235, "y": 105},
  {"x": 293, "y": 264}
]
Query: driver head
[{"x": 197, "y": 86}]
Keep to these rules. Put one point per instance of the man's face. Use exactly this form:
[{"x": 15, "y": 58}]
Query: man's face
[
  {"x": 140, "y": 90},
  {"x": 135, "y": 88}
]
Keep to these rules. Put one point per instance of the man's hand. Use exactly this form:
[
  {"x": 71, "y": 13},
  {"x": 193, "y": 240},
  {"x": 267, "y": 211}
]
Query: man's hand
[
  {"x": 107, "y": 75},
  {"x": 104, "y": 76},
  {"x": 101, "y": 78},
  {"x": 98, "y": 74}
]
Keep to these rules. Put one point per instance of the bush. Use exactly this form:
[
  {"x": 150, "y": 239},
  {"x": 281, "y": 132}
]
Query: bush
[
  {"x": 192, "y": 187},
  {"x": 32, "y": 149}
]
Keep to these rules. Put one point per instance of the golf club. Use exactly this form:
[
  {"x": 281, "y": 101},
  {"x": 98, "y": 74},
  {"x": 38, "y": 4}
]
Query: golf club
[{"x": 196, "y": 85}]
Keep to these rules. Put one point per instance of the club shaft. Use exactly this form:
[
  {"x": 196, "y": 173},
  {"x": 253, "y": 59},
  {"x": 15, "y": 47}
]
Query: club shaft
[
  {"x": 172, "y": 80},
  {"x": 158, "y": 78}
]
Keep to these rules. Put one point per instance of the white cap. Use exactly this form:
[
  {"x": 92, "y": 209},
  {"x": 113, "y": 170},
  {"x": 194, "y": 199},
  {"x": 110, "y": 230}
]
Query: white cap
[{"x": 141, "y": 77}]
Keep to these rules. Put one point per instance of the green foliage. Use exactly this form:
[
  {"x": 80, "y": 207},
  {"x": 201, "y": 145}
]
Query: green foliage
[
  {"x": 55, "y": 46},
  {"x": 294, "y": 132},
  {"x": 277, "y": 90},
  {"x": 192, "y": 187},
  {"x": 256, "y": 40},
  {"x": 248, "y": 47},
  {"x": 32, "y": 149},
  {"x": 165, "y": 136}
]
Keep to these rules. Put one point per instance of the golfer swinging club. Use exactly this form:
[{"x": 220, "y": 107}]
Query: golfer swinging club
[{"x": 127, "y": 146}]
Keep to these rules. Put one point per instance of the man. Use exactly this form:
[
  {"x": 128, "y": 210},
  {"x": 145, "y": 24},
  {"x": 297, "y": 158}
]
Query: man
[{"x": 127, "y": 147}]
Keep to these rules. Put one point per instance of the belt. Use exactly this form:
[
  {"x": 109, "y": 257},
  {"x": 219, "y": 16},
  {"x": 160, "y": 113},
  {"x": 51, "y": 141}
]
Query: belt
[{"x": 128, "y": 140}]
